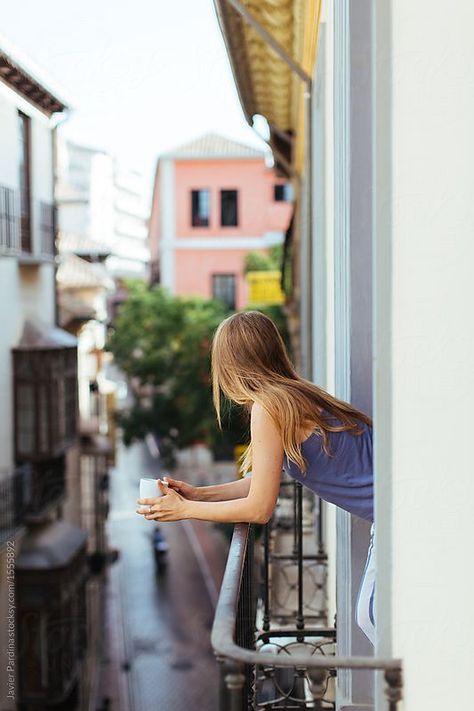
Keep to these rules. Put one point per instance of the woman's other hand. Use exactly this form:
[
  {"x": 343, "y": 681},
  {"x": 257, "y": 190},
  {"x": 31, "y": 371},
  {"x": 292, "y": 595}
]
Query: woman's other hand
[
  {"x": 171, "y": 506},
  {"x": 182, "y": 487}
]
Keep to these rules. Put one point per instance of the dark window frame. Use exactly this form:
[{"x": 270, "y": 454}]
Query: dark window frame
[
  {"x": 197, "y": 191},
  {"x": 230, "y": 303},
  {"x": 286, "y": 192},
  {"x": 45, "y": 402},
  {"x": 221, "y": 194}
]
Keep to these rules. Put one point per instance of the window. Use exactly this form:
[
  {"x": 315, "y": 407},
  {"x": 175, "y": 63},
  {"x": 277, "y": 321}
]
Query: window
[
  {"x": 25, "y": 181},
  {"x": 223, "y": 288},
  {"x": 229, "y": 208},
  {"x": 45, "y": 389},
  {"x": 200, "y": 208},
  {"x": 283, "y": 192}
]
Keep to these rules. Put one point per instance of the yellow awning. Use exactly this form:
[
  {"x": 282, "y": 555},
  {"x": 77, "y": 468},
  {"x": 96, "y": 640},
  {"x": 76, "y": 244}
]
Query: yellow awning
[{"x": 265, "y": 83}]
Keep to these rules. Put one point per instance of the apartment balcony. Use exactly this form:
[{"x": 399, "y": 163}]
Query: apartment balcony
[
  {"x": 47, "y": 486},
  {"x": 47, "y": 230},
  {"x": 30, "y": 235},
  {"x": 270, "y": 635},
  {"x": 15, "y": 496},
  {"x": 28, "y": 492},
  {"x": 38, "y": 234},
  {"x": 45, "y": 393},
  {"x": 9, "y": 226}
]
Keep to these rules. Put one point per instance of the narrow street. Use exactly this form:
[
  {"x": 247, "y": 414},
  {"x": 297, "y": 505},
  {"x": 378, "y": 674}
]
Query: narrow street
[{"x": 158, "y": 653}]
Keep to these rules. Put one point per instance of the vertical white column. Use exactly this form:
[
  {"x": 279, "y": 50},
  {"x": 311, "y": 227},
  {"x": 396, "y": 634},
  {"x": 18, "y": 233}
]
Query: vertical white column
[
  {"x": 342, "y": 315},
  {"x": 424, "y": 216},
  {"x": 168, "y": 224}
]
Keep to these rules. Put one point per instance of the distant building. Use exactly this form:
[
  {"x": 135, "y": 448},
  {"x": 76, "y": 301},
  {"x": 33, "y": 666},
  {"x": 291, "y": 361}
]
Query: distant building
[
  {"x": 43, "y": 549},
  {"x": 214, "y": 200},
  {"x": 102, "y": 211}
]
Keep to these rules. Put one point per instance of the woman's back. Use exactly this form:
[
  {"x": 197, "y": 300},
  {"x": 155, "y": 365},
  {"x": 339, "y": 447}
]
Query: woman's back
[{"x": 346, "y": 478}]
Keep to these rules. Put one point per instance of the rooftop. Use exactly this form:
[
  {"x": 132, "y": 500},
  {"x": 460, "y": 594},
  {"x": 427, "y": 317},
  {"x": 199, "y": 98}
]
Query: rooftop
[
  {"x": 21, "y": 75},
  {"x": 213, "y": 145}
]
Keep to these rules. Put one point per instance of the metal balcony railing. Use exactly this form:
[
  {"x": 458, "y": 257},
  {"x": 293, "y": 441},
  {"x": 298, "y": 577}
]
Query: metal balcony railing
[
  {"x": 48, "y": 487},
  {"x": 272, "y": 657},
  {"x": 15, "y": 496},
  {"x": 17, "y": 227},
  {"x": 48, "y": 223},
  {"x": 9, "y": 227}
]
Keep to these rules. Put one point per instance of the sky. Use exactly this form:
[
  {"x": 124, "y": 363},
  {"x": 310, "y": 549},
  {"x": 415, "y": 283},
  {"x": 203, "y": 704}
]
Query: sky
[{"x": 141, "y": 76}]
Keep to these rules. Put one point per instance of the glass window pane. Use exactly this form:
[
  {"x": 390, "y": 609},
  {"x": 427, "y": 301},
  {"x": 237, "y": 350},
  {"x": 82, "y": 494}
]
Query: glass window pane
[
  {"x": 229, "y": 208},
  {"x": 223, "y": 288},
  {"x": 200, "y": 208}
]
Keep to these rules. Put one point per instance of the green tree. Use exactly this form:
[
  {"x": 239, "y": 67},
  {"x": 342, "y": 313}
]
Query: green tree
[
  {"x": 162, "y": 343},
  {"x": 257, "y": 262}
]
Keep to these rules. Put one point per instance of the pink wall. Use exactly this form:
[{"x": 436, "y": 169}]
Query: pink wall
[
  {"x": 194, "y": 269},
  {"x": 258, "y": 212}
]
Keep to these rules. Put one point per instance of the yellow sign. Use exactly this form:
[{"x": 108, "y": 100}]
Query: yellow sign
[{"x": 264, "y": 287}]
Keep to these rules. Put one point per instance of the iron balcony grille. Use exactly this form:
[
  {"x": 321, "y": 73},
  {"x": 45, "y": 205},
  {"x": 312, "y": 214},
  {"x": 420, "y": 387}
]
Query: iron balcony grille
[
  {"x": 9, "y": 227},
  {"x": 15, "y": 497},
  {"x": 22, "y": 235},
  {"x": 269, "y": 657},
  {"x": 47, "y": 229}
]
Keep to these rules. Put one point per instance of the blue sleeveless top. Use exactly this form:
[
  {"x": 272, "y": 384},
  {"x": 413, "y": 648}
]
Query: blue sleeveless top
[{"x": 346, "y": 478}]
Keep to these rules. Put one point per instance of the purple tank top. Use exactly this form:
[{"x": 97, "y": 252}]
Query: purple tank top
[{"x": 346, "y": 479}]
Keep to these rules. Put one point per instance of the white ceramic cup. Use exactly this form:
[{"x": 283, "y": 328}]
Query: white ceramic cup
[{"x": 149, "y": 489}]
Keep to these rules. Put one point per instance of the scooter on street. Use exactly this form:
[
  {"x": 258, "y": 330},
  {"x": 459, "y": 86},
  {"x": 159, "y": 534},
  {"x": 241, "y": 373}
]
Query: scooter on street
[{"x": 160, "y": 549}]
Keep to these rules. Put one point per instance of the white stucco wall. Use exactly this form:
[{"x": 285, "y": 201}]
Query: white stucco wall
[
  {"x": 167, "y": 223},
  {"x": 323, "y": 251},
  {"x": 9, "y": 174},
  {"x": 425, "y": 295},
  {"x": 25, "y": 290}
]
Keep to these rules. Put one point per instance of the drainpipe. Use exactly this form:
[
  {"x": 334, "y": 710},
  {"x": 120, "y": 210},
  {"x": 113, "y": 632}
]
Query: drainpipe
[
  {"x": 54, "y": 153},
  {"x": 306, "y": 188}
]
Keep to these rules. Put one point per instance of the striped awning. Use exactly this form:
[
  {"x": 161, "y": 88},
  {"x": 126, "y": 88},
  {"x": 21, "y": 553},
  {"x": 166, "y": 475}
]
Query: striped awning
[{"x": 265, "y": 83}]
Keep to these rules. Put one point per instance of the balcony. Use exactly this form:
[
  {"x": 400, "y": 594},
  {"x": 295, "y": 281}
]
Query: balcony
[
  {"x": 280, "y": 656},
  {"x": 31, "y": 235},
  {"x": 38, "y": 234},
  {"x": 28, "y": 492},
  {"x": 15, "y": 496},
  {"x": 47, "y": 230},
  {"x": 9, "y": 232},
  {"x": 47, "y": 486},
  {"x": 45, "y": 393}
]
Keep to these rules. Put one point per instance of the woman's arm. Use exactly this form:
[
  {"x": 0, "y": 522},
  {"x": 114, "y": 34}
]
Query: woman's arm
[
  {"x": 216, "y": 492},
  {"x": 256, "y": 507},
  {"x": 224, "y": 492},
  {"x": 267, "y": 464}
]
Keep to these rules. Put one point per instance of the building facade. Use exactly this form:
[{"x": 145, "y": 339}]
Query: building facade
[
  {"x": 102, "y": 211},
  {"x": 214, "y": 200},
  {"x": 54, "y": 453},
  {"x": 370, "y": 116},
  {"x": 43, "y": 553}
]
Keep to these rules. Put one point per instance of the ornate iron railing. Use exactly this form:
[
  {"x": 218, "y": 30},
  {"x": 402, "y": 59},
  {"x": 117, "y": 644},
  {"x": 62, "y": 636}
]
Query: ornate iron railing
[
  {"x": 15, "y": 496},
  {"x": 48, "y": 223},
  {"x": 17, "y": 228},
  {"x": 288, "y": 665},
  {"x": 9, "y": 226}
]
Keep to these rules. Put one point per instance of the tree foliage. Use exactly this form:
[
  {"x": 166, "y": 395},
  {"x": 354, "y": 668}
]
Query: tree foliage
[
  {"x": 256, "y": 261},
  {"x": 162, "y": 344}
]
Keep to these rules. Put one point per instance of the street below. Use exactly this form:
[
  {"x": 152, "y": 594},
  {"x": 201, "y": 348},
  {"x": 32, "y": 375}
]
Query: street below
[{"x": 157, "y": 648}]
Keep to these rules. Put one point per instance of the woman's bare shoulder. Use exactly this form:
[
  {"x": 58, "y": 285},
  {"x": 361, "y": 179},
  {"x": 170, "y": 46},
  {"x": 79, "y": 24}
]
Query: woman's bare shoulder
[{"x": 260, "y": 417}]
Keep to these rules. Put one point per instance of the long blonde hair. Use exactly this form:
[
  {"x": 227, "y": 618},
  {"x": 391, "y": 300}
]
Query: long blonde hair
[{"x": 249, "y": 363}]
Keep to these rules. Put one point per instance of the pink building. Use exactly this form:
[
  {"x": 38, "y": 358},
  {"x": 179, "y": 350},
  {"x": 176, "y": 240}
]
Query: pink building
[{"x": 214, "y": 200}]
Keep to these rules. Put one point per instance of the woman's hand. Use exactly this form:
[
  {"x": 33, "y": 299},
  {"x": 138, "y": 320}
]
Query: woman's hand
[
  {"x": 182, "y": 487},
  {"x": 169, "y": 507}
]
